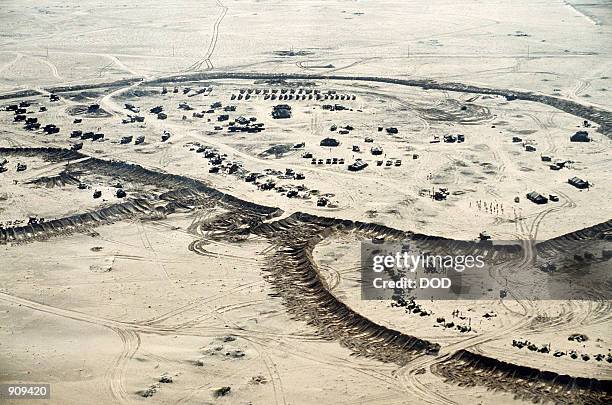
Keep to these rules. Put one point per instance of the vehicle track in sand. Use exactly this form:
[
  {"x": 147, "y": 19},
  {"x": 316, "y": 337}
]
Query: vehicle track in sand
[
  {"x": 197, "y": 303},
  {"x": 304, "y": 65},
  {"x": 197, "y": 66},
  {"x": 116, "y": 374},
  {"x": 18, "y": 57},
  {"x": 273, "y": 373},
  {"x": 412, "y": 381},
  {"x": 294, "y": 347},
  {"x": 409, "y": 373},
  {"x": 551, "y": 147}
]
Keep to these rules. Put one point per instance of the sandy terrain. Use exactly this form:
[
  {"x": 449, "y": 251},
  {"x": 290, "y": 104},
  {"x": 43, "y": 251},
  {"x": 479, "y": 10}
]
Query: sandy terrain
[{"x": 202, "y": 286}]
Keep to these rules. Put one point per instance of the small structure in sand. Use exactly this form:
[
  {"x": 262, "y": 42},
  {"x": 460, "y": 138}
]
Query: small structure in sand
[
  {"x": 281, "y": 111},
  {"x": 329, "y": 142},
  {"x": 580, "y": 136},
  {"x": 537, "y": 198},
  {"x": 578, "y": 182}
]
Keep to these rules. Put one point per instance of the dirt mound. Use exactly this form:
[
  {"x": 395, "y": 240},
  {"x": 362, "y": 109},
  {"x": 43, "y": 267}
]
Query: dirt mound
[
  {"x": 76, "y": 223},
  {"x": 295, "y": 277},
  {"x": 88, "y": 112},
  {"x": 469, "y": 369},
  {"x": 297, "y": 281},
  {"x": 47, "y": 154},
  {"x": 60, "y": 180}
]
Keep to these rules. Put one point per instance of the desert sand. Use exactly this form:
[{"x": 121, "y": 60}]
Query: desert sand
[{"x": 229, "y": 271}]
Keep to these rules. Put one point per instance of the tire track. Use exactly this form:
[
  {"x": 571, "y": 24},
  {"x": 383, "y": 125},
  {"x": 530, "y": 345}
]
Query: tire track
[
  {"x": 116, "y": 374},
  {"x": 213, "y": 42}
]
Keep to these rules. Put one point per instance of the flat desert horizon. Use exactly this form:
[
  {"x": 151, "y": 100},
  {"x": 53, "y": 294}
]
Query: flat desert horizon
[{"x": 288, "y": 202}]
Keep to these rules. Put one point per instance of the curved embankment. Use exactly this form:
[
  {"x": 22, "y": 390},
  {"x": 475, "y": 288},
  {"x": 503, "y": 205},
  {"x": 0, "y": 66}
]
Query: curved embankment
[
  {"x": 20, "y": 94},
  {"x": 296, "y": 279},
  {"x": 169, "y": 182},
  {"x": 60, "y": 180},
  {"x": 47, "y": 154},
  {"x": 598, "y": 115},
  {"x": 530, "y": 384},
  {"x": 598, "y": 232},
  {"x": 174, "y": 191},
  {"x": 583, "y": 248},
  {"x": 70, "y": 88},
  {"x": 591, "y": 113},
  {"x": 76, "y": 223},
  {"x": 293, "y": 272},
  {"x": 137, "y": 174}
]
